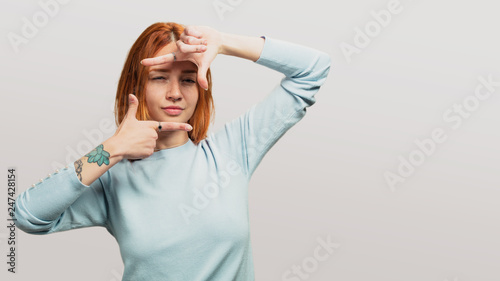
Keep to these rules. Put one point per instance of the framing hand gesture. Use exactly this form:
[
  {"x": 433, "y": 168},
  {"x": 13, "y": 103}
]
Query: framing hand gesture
[{"x": 198, "y": 44}]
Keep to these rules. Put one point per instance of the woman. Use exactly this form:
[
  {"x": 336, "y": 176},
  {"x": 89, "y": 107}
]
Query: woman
[{"x": 174, "y": 198}]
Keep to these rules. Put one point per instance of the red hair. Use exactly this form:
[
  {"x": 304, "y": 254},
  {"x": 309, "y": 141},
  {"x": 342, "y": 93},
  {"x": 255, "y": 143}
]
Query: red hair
[{"x": 134, "y": 76}]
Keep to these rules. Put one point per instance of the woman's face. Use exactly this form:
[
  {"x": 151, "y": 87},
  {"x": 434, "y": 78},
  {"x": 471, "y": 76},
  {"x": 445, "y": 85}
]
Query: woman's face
[{"x": 172, "y": 85}]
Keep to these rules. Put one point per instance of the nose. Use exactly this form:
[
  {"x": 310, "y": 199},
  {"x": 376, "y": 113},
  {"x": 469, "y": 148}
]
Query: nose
[{"x": 174, "y": 92}]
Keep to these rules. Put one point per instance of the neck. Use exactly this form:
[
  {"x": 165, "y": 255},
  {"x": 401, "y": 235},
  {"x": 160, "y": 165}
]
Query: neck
[{"x": 171, "y": 139}]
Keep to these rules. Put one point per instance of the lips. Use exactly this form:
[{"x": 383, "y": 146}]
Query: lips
[{"x": 173, "y": 110}]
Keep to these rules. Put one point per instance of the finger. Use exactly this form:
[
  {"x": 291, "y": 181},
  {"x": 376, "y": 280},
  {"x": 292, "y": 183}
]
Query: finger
[
  {"x": 133, "y": 104},
  {"x": 175, "y": 126},
  {"x": 169, "y": 126},
  {"x": 191, "y": 40},
  {"x": 192, "y": 31},
  {"x": 158, "y": 60},
  {"x": 185, "y": 48}
]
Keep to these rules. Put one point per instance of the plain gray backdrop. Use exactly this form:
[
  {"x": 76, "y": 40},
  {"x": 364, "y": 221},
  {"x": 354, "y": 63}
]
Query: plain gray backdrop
[{"x": 414, "y": 78}]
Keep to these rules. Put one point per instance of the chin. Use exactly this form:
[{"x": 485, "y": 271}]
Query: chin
[{"x": 179, "y": 119}]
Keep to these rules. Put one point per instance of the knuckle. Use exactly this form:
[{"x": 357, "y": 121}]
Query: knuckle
[{"x": 185, "y": 48}]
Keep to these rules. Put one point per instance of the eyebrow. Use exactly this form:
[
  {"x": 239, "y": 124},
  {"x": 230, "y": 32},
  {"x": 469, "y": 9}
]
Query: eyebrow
[{"x": 168, "y": 70}]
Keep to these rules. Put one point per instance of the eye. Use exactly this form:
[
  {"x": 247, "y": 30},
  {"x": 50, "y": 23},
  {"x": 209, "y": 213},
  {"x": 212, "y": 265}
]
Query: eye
[
  {"x": 158, "y": 78},
  {"x": 188, "y": 80}
]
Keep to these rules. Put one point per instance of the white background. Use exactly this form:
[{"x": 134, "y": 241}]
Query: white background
[{"x": 325, "y": 177}]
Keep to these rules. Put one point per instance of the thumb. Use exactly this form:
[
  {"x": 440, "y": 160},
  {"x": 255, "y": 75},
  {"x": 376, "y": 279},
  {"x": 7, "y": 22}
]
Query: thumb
[
  {"x": 133, "y": 104},
  {"x": 202, "y": 76}
]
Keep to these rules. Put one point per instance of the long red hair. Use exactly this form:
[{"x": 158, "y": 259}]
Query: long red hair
[{"x": 134, "y": 76}]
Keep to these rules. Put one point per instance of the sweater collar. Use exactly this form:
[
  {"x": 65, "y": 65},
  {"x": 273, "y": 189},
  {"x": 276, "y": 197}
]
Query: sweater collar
[{"x": 171, "y": 151}]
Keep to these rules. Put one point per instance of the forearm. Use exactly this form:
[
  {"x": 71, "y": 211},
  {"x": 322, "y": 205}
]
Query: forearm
[
  {"x": 245, "y": 47},
  {"x": 38, "y": 208},
  {"x": 305, "y": 68},
  {"x": 95, "y": 163},
  {"x": 294, "y": 60}
]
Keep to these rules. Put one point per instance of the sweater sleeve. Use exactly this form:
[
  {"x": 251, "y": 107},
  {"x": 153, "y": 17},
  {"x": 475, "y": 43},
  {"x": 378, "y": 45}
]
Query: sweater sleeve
[
  {"x": 250, "y": 136},
  {"x": 60, "y": 202}
]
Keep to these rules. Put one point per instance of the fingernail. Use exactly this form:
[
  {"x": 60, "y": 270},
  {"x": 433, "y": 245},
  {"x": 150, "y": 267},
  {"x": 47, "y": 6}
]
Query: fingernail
[
  {"x": 141, "y": 61},
  {"x": 188, "y": 127}
]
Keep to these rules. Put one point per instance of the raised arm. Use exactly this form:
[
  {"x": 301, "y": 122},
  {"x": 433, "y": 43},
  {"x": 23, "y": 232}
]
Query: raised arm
[{"x": 252, "y": 135}]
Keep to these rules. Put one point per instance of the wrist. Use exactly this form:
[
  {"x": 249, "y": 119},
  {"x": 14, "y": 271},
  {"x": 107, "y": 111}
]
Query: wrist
[
  {"x": 245, "y": 47},
  {"x": 113, "y": 147},
  {"x": 224, "y": 46}
]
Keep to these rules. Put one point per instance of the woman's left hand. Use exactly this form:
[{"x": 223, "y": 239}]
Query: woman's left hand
[{"x": 198, "y": 44}]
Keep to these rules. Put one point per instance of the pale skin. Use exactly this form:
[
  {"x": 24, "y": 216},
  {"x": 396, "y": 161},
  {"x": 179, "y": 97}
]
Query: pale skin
[{"x": 169, "y": 84}]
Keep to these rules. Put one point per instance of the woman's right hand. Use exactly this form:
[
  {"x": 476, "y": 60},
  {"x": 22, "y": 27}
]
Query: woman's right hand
[{"x": 137, "y": 139}]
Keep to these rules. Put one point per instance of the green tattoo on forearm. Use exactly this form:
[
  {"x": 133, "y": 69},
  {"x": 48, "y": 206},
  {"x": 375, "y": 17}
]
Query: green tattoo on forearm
[
  {"x": 99, "y": 156},
  {"x": 78, "y": 168}
]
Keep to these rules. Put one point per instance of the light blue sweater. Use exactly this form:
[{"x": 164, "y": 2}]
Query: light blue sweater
[{"x": 182, "y": 213}]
